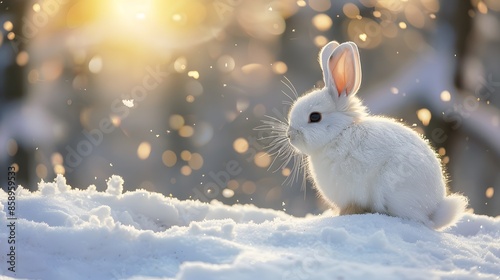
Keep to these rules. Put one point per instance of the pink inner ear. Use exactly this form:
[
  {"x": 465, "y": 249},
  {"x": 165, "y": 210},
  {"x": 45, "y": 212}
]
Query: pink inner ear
[{"x": 342, "y": 72}]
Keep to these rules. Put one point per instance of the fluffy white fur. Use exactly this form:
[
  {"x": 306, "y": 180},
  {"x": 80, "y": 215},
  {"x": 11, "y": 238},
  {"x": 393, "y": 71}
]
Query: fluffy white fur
[{"x": 361, "y": 163}]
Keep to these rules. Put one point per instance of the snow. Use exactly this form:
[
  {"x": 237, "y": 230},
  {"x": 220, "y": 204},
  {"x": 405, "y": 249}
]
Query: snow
[{"x": 67, "y": 233}]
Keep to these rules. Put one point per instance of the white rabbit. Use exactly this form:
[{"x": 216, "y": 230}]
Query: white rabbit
[{"x": 361, "y": 163}]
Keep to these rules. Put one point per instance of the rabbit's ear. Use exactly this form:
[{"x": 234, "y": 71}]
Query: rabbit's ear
[
  {"x": 324, "y": 56},
  {"x": 344, "y": 68}
]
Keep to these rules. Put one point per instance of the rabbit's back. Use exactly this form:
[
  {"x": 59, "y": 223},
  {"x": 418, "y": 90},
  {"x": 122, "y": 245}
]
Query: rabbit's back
[{"x": 381, "y": 166}]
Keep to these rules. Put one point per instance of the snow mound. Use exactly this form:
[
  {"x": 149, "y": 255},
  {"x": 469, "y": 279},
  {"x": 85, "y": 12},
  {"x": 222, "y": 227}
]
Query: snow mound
[{"x": 65, "y": 233}]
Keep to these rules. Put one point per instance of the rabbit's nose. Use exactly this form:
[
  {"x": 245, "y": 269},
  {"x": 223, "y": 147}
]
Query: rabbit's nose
[{"x": 290, "y": 134}]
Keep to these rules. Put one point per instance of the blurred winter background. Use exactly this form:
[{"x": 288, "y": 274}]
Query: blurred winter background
[{"x": 167, "y": 93}]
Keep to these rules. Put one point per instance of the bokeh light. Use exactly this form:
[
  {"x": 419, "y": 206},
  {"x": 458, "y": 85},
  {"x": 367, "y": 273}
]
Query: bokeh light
[
  {"x": 424, "y": 115},
  {"x": 350, "y": 10},
  {"x": 490, "y": 192},
  {"x": 95, "y": 64},
  {"x": 186, "y": 131},
  {"x": 445, "y": 96},
  {"x": 169, "y": 158},
  {"x": 262, "y": 159},
  {"x": 186, "y": 155},
  {"x": 195, "y": 161},
  {"x": 7, "y": 25},
  {"x": 248, "y": 187},
  {"x": 240, "y": 145},
  {"x": 227, "y": 193},
  {"x": 22, "y": 58},
  {"x": 320, "y": 5},
  {"x": 176, "y": 122},
  {"x": 225, "y": 63},
  {"x": 279, "y": 67},
  {"x": 320, "y": 41},
  {"x": 186, "y": 170},
  {"x": 144, "y": 150},
  {"x": 41, "y": 171},
  {"x": 322, "y": 22}
]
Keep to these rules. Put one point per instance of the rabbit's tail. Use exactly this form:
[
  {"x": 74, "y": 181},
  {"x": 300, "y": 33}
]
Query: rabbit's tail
[{"x": 448, "y": 211}]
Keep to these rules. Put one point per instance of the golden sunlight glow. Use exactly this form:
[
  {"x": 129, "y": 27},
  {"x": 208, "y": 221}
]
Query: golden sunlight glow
[{"x": 135, "y": 24}]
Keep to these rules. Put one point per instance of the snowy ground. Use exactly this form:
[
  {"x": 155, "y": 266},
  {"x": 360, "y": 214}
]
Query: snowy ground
[{"x": 65, "y": 233}]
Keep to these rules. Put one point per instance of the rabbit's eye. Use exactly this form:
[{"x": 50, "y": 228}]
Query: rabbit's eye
[{"x": 314, "y": 117}]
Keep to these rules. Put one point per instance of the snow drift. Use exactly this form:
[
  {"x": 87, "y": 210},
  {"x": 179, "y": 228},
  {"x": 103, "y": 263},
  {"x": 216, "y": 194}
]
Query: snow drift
[{"x": 65, "y": 233}]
